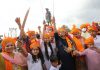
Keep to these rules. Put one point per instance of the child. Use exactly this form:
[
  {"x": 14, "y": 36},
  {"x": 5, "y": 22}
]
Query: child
[
  {"x": 92, "y": 55},
  {"x": 54, "y": 63},
  {"x": 35, "y": 59}
]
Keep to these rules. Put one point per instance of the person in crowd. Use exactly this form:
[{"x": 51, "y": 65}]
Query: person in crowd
[
  {"x": 84, "y": 31},
  {"x": 92, "y": 54},
  {"x": 10, "y": 60},
  {"x": 35, "y": 58},
  {"x": 47, "y": 47},
  {"x": 63, "y": 53},
  {"x": 95, "y": 35},
  {"x": 80, "y": 46},
  {"x": 54, "y": 63}
]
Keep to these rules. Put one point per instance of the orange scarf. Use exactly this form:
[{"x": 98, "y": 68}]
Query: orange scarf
[
  {"x": 69, "y": 42},
  {"x": 78, "y": 43},
  {"x": 8, "y": 64}
]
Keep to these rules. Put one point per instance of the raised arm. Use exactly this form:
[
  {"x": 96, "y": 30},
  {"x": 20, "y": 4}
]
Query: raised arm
[
  {"x": 44, "y": 28},
  {"x": 17, "y": 20},
  {"x": 21, "y": 27},
  {"x": 21, "y": 48},
  {"x": 53, "y": 21}
]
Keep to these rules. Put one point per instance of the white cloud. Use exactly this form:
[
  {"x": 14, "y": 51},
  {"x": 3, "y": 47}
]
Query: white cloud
[{"x": 65, "y": 11}]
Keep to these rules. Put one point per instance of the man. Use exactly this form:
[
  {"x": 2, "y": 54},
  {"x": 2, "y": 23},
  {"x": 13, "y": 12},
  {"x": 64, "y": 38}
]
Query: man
[{"x": 64, "y": 55}]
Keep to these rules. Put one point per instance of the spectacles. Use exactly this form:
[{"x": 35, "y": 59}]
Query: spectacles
[{"x": 9, "y": 45}]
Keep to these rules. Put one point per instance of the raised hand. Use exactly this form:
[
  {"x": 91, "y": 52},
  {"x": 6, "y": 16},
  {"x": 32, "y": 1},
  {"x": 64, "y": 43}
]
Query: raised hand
[
  {"x": 44, "y": 23},
  {"x": 17, "y": 20},
  {"x": 53, "y": 20},
  {"x": 75, "y": 53},
  {"x": 39, "y": 27},
  {"x": 68, "y": 50}
]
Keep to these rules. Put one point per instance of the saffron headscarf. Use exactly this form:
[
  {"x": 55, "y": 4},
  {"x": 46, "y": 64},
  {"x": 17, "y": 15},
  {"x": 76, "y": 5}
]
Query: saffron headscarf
[
  {"x": 76, "y": 30},
  {"x": 89, "y": 40},
  {"x": 35, "y": 44},
  {"x": 6, "y": 41},
  {"x": 30, "y": 33}
]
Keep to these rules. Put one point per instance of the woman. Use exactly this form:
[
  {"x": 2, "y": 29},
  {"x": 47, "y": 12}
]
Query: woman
[{"x": 10, "y": 60}]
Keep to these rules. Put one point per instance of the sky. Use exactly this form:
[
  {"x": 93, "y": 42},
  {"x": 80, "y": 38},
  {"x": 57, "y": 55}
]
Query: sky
[{"x": 66, "y": 12}]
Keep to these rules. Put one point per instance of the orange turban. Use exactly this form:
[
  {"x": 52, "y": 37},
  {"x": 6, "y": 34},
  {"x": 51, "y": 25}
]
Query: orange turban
[
  {"x": 61, "y": 30},
  {"x": 89, "y": 40},
  {"x": 30, "y": 33},
  {"x": 91, "y": 28},
  {"x": 76, "y": 30},
  {"x": 83, "y": 26},
  {"x": 73, "y": 26},
  {"x": 46, "y": 35},
  {"x": 87, "y": 24},
  {"x": 35, "y": 44},
  {"x": 33, "y": 40},
  {"x": 6, "y": 41}
]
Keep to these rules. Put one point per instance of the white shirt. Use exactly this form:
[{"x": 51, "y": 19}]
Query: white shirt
[
  {"x": 47, "y": 62},
  {"x": 33, "y": 65},
  {"x": 54, "y": 68},
  {"x": 97, "y": 41}
]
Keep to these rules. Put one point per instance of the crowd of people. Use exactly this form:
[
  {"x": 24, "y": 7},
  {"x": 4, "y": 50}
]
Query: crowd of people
[{"x": 53, "y": 48}]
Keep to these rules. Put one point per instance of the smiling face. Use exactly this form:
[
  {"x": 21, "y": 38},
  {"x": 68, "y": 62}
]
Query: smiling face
[
  {"x": 9, "y": 48},
  {"x": 35, "y": 51},
  {"x": 77, "y": 35},
  {"x": 62, "y": 35}
]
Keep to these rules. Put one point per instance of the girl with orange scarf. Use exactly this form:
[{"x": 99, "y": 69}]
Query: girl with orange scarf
[{"x": 35, "y": 60}]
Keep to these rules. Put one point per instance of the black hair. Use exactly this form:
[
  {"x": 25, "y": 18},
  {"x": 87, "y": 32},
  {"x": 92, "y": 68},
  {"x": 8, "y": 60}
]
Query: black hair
[
  {"x": 38, "y": 36},
  {"x": 53, "y": 58},
  {"x": 40, "y": 56},
  {"x": 46, "y": 50}
]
